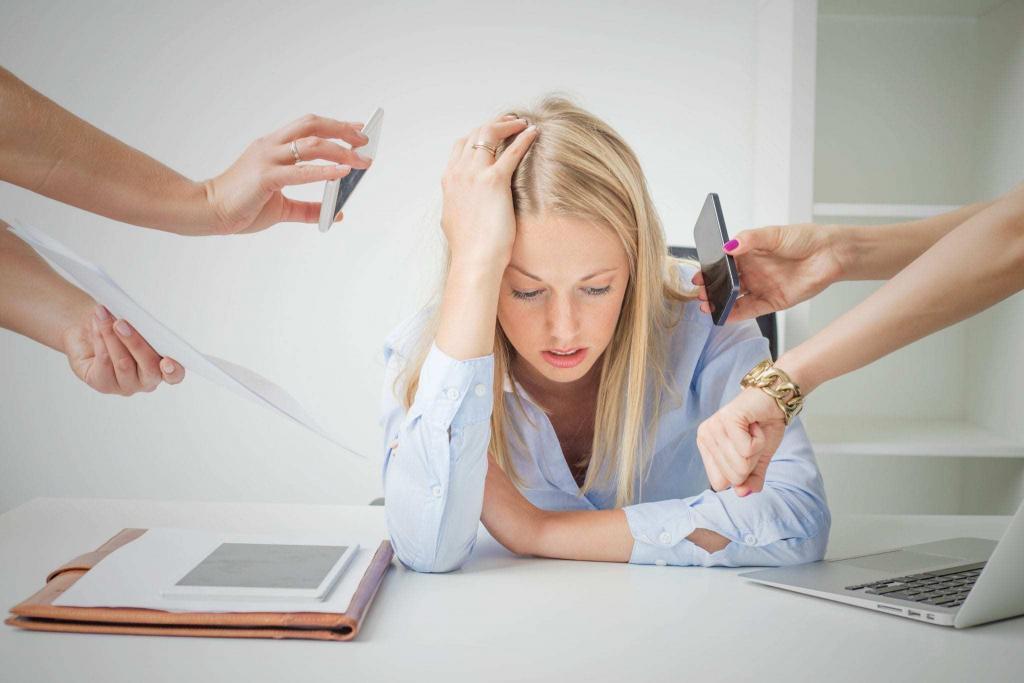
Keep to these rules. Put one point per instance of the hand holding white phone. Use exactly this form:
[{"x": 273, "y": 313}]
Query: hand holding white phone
[{"x": 337, "y": 192}]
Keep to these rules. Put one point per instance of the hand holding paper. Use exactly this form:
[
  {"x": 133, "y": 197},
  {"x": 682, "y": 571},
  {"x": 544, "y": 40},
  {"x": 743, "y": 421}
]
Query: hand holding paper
[{"x": 162, "y": 340}]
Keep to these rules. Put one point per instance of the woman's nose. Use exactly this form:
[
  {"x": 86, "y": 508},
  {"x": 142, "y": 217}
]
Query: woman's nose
[{"x": 563, "y": 320}]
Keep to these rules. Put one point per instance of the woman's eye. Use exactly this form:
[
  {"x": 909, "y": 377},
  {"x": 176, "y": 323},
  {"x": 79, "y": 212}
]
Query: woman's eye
[
  {"x": 597, "y": 291},
  {"x": 526, "y": 295}
]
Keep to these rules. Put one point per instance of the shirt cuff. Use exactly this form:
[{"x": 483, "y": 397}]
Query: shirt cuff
[
  {"x": 454, "y": 393},
  {"x": 659, "y": 533}
]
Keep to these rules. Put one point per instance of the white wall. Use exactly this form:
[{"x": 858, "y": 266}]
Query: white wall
[{"x": 191, "y": 83}]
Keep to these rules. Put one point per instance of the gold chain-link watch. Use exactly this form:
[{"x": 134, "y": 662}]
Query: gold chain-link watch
[{"x": 777, "y": 384}]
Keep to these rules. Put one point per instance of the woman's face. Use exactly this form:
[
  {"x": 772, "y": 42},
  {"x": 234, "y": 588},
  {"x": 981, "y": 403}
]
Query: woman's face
[{"x": 561, "y": 296}]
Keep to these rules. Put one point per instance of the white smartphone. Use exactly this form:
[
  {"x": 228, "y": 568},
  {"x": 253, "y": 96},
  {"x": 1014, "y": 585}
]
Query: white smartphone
[{"x": 337, "y": 192}]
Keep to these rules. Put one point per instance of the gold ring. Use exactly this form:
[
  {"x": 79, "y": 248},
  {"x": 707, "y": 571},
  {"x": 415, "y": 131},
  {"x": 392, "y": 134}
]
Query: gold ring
[
  {"x": 295, "y": 151},
  {"x": 489, "y": 148}
]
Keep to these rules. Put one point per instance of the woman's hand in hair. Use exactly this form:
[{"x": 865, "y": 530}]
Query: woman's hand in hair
[
  {"x": 512, "y": 520},
  {"x": 737, "y": 442},
  {"x": 478, "y": 219},
  {"x": 779, "y": 267}
]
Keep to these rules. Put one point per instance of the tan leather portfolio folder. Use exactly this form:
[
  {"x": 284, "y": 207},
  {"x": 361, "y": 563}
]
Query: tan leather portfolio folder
[{"x": 38, "y": 613}]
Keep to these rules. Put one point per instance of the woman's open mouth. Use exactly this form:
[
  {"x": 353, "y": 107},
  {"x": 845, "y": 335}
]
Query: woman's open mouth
[{"x": 564, "y": 358}]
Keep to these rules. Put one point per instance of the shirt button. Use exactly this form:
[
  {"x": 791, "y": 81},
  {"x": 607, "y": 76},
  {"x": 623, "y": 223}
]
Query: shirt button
[
  {"x": 452, "y": 394},
  {"x": 750, "y": 539},
  {"x": 660, "y": 563},
  {"x": 665, "y": 537},
  {"x": 479, "y": 390},
  {"x": 436, "y": 491}
]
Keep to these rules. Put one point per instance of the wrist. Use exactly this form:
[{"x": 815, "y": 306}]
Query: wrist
[
  {"x": 775, "y": 384},
  {"x": 800, "y": 373},
  {"x": 483, "y": 265},
  {"x": 206, "y": 216},
  {"x": 841, "y": 241},
  {"x": 78, "y": 315}
]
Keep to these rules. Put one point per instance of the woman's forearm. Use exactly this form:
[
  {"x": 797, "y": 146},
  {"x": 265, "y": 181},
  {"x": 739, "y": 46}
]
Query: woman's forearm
[
  {"x": 600, "y": 536},
  {"x": 469, "y": 309},
  {"x": 878, "y": 252},
  {"x": 34, "y": 300},
  {"x": 47, "y": 149},
  {"x": 974, "y": 266}
]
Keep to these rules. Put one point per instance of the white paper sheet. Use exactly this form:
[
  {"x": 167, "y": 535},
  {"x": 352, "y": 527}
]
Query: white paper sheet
[
  {"x": 135, "y": 574},
  {"x": 94, "y": 280}
]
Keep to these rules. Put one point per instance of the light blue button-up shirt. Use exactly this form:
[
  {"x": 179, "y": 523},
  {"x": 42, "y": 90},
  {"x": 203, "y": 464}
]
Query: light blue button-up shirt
[{"x": 434, "y": 476}]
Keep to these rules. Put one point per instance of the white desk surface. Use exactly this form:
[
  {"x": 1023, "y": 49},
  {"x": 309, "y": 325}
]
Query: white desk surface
[{"x": 504, "y": 618}]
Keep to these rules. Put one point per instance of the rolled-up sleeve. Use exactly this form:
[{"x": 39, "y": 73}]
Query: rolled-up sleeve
[
  {"x": 435, "y": 458},
  {"x": 787, "y": 523}
]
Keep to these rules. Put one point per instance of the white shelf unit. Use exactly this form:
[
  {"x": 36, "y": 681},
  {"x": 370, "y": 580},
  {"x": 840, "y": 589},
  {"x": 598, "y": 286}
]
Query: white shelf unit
[
  {"x": 905, "y": 211},
  {"x": 880, "y": 436},
  {"x": 917, "y": 110}
]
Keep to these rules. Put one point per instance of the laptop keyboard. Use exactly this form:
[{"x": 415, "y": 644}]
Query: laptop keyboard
[{"x": 943, "y": 588}]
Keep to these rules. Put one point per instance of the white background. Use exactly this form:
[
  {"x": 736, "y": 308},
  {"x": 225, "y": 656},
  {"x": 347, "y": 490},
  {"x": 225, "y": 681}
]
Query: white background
[{"x": 192, "y": 83}]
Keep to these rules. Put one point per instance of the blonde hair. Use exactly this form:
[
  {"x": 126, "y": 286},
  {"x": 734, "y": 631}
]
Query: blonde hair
[{"x": 578, "y": 166}]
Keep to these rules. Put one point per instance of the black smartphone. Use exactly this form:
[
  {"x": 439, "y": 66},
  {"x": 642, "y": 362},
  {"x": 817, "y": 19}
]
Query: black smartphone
[{"x": 721, "y": 279}]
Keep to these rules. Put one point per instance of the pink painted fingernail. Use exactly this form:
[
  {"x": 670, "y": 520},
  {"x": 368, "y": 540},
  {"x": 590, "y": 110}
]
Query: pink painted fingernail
[
  {"x": 101, "y": 314},
  {"x": 123, "y": 328},
  {"x": 730, "y": 245},
  {"x": 167, "y": 366}
]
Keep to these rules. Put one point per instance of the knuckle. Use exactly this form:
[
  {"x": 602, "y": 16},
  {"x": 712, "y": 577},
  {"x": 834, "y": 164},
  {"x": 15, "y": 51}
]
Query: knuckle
[
  {"x": 308, "y": 119},
  {"x": 125, "y": 364}
]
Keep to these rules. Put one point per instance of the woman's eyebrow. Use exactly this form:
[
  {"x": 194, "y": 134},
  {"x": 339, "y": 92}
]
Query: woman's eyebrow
[
  {"x": 595, "y": 274},
  {"x": 532, "y": 277},
  {"x": 582, "y": 279}
]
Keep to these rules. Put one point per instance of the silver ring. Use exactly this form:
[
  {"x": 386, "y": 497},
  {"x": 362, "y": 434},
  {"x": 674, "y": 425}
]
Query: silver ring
[
  {"x": 483, "y": 145},
  {"x": 295, "y": 151}
]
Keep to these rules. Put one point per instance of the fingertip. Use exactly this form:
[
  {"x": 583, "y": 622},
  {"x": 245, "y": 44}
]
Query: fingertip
[
  {"x": 172, "y": 372},
  {"x": 340, "y": 215},
  {"x": 731, "y": 246},
  {"x": 101, "y": 313},
  {"x": 343, "y": 170}
]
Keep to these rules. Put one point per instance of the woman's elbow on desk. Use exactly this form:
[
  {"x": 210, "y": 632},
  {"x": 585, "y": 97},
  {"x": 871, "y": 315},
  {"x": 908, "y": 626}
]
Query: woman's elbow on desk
[{"x": 429, "y": 561}]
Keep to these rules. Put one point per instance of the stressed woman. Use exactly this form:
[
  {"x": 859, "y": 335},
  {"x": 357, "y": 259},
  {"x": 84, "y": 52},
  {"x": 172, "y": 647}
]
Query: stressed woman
[{"x": 556, "y": 390}]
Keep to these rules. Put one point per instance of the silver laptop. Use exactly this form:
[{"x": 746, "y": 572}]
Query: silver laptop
[{"x": 960, "y": 582}]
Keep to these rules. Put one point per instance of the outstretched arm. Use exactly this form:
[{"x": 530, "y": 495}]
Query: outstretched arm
[
  {"x": 47, "y": 149},
  {"x": 971, "y": 268}
]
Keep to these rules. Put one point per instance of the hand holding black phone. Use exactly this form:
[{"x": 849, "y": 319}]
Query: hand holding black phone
[{"x": 721, "y": 278}]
